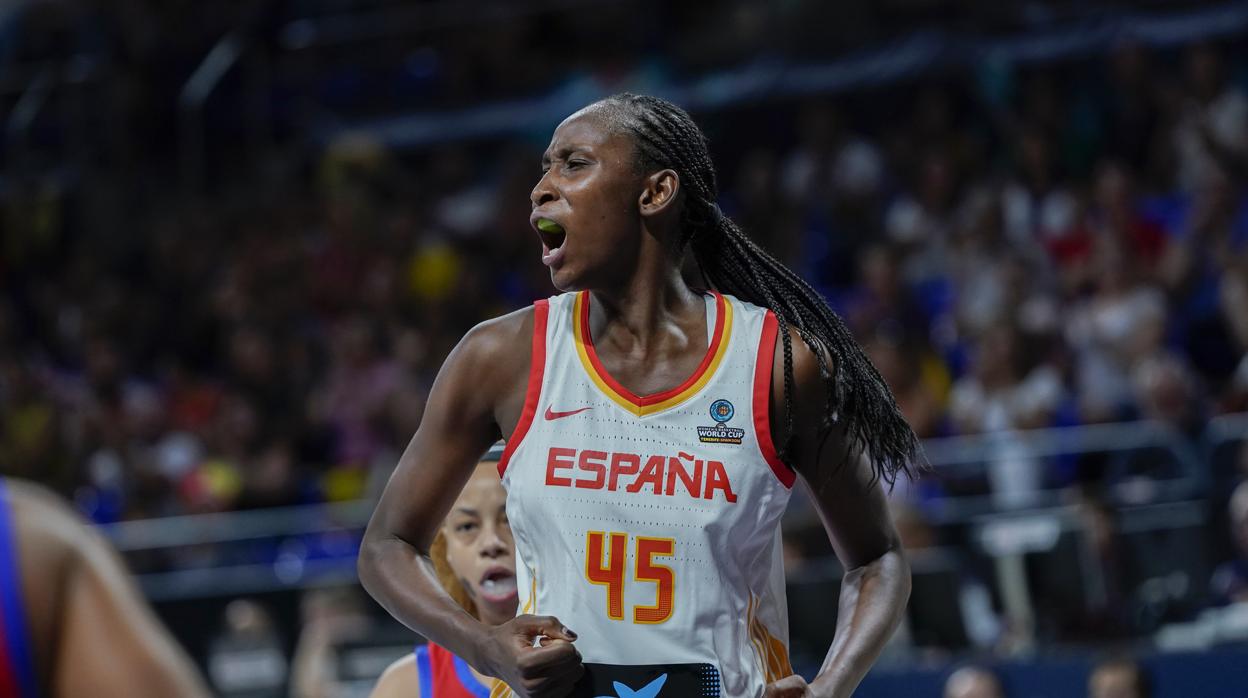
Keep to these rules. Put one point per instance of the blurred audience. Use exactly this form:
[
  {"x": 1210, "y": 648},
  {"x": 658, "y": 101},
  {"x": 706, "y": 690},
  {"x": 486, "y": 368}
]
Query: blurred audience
[{"x": 1067, "y": 245}]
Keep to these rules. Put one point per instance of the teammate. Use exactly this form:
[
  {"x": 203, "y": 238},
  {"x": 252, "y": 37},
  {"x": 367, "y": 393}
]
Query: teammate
[
  {"x": 475, "y": 563},
  {"x": 654, "y": 432},
  {"x": 71, "y": 621}
]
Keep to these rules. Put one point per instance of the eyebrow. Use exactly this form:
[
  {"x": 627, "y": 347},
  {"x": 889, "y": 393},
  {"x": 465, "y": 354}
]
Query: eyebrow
[
  {"x": 468, "y": 511},
  {"x": 563, "y": 153}
]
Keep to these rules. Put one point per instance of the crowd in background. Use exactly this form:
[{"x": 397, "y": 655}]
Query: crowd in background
[
  {"x": 1053, "y": 244},
  {"x": 1069, "y": 249}
]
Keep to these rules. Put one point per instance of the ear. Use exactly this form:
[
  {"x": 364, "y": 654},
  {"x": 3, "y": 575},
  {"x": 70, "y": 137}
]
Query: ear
[{"x": 660, "y": 193}]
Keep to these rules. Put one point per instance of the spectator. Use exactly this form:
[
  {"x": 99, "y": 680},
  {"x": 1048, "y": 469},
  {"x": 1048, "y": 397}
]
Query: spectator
[
  {"x": 1000, "y": 392},
  {"x": 1119, "y": 324},
  {"x": 246, "y": 659},
  {"x": 1230, "y": 580},
  {"x": 883, "y": 301},
  {"x": 1112, "y": 217},
  {"x": 330, "y": 618},
  {"x": 921, "y": 221},
  {"x": 1167, "y": 392},
  {"x": 1037, "y": 205},
  {"x": 1211, "y": 134},
  {"x": 973, "y": 682},
  {"x": 903, "y": 365},
  {"x": 1119, "y": 678}
]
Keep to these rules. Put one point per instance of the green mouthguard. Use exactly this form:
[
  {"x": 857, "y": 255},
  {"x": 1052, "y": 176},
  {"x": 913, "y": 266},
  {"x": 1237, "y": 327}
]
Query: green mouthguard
[{"x": 548, "y": 226}]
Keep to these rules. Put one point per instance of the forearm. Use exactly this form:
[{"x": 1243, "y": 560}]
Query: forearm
[
  {"x": 403, "y": 581},
  {"x": 873, "y": 599}
]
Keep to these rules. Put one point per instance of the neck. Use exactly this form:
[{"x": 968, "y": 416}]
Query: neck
[{"x": 645, "y": 305}]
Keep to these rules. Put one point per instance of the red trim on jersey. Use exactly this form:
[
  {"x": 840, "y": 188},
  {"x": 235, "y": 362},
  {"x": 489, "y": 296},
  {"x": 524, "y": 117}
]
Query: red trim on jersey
[
  {"x": 717, "y": 337},
  {"x": 446, "y": 678},
  {"x": 762, "y": 401},
  {"x": 537, "y": 367}
]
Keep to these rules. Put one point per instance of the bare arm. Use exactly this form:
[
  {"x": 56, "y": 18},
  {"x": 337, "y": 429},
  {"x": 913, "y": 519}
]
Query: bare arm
[
  {"x": 480, "y": 387},
  {"x": 855, "y": 515},
  {"x": 876, "y": 585},
  {"x": 102, "y": 639}
]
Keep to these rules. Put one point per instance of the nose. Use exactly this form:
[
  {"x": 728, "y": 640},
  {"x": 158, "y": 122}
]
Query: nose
[
  {"x": 543, "y": 192},
  {"x": 492, "y": 544}
]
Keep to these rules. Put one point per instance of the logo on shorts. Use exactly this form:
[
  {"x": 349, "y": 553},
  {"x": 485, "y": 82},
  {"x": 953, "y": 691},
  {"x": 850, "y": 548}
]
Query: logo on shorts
[
  {"x": 721, "y": 411},
  {"x": 650, "y": 690}
]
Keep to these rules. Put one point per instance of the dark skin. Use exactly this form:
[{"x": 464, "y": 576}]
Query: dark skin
[
  {"x": 650, "y": 330},
  {"x": 92, "y": 634}
]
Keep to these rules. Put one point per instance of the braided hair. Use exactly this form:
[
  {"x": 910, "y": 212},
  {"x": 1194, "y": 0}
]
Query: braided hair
[{"x": 855, "y": 393}]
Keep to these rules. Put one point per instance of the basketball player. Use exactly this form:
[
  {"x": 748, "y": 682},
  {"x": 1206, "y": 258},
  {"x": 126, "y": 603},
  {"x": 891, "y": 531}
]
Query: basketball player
[
  {"x": 654, "y": 433},
  {"x": 71, "y": 621},
  {"x": 474, "y": 560}
]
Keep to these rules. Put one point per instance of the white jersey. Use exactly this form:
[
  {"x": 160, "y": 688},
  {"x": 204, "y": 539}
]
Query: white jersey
[{"x": 650, "y": 525}]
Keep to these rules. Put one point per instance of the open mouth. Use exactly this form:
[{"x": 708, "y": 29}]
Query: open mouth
[
  {"x": 498, "y": 584},
  {"x": 553, "y": 236}
]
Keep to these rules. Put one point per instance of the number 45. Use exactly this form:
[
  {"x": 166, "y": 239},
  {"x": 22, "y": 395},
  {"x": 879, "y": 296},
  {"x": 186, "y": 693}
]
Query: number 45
[{"x": 610, "y": 573}]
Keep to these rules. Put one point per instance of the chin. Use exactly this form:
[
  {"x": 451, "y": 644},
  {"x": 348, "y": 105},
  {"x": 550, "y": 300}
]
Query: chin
[{"x": 566, "y": 282}]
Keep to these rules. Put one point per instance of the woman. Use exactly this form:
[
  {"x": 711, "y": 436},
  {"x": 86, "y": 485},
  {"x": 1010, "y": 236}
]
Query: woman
[
  {"x": 472, "y": 556},
  {"x": 648, "y": 461}
]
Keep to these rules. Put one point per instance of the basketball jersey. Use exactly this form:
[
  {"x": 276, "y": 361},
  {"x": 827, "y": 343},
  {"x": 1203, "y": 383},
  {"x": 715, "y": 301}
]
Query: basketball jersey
[
  {"x": 444, "y": 675},
  {"x": 649, "y": 525},
  {"x": 17, "y": 668}
]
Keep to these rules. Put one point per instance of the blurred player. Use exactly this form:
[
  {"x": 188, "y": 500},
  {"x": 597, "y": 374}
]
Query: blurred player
[
  {"x": 474, "y": 559},
  {"x": 654, "y": 434},
  {"x": 71, "y": 621}
]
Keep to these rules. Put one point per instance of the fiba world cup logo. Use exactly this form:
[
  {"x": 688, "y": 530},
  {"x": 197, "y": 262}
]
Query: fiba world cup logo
[{"x": 721, "y": 433}]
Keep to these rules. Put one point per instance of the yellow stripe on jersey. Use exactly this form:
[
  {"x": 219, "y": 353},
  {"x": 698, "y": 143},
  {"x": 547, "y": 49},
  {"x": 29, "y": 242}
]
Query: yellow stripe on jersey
[
  {"x": 772, "y": 653},
  {"x": 640, "y": 406},
  {"x": 758, "y": 647}
]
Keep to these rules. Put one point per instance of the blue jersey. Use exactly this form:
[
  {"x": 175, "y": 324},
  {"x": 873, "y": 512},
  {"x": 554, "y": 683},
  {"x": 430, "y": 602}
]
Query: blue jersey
[{"x": 17, "y": 667}]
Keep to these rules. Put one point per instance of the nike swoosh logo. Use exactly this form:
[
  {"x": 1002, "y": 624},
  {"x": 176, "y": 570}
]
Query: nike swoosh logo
[{"x": 552, "y": 415}]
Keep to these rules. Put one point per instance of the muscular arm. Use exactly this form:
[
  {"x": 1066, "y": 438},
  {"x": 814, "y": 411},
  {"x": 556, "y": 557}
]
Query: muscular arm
[
  {"x": 855, "y": 514},
  {"x": 103, "y": 640},
  {"x": 478, "y": 393},
  {"x": 459, "y": 425}
]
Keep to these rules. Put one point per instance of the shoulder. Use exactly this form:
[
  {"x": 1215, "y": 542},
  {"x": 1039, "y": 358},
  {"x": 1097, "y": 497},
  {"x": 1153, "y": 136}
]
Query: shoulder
[
  {"x": 812, "y": 367},
  {"x": 501, "y": 331},
  {"x": 808, "y": 375},
  {"x": 57, "y": 541},
  {"x": 400, "y": 680},
  {"x": 45, "y": 523},
  {"x": 501, "y": 341},
  {"x": 495, "y": 353}
]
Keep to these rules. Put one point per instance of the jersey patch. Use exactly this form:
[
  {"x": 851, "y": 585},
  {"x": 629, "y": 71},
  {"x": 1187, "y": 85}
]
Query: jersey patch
[{"x": 721, "y": 411}]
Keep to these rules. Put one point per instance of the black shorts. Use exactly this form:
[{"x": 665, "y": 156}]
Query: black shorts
[{"x": 648, "y": 681}]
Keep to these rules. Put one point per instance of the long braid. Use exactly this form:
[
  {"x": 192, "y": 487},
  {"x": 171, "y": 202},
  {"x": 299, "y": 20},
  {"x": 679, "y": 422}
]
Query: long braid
[{"x": 855, "y": 393}]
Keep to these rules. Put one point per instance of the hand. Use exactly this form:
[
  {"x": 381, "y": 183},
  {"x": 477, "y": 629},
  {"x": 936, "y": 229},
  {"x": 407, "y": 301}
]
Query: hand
[
  {"x": 789, "y": 687},
  {"x": 547, "y": 670}
]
